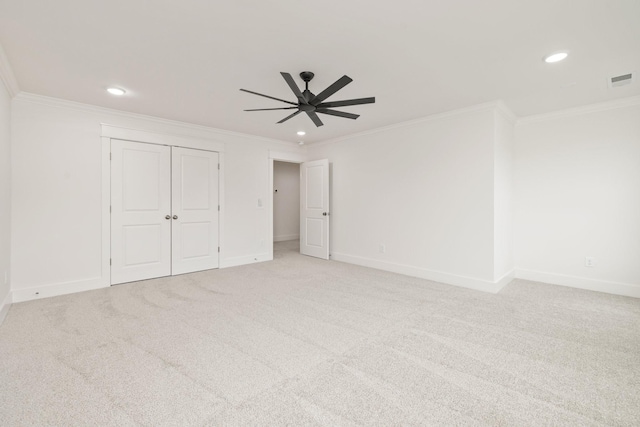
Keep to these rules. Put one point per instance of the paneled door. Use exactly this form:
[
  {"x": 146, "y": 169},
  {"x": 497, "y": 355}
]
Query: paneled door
[
  {"x": 314, "y": 209},
  {"x": 194, "y": 210},
  {"x": 164, "y": 211},
  {"x": 140, "y": 211}
]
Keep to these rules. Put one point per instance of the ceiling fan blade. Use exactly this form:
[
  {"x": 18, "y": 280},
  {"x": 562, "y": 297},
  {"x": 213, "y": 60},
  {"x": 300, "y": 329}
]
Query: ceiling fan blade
[
  {"x": 314, "y": 117},
  {"x": 336, "y": 86},
  {"x": 267, "y": 109},
  {"x": 294, "y": 87},
  {"x": 337, "y": 113},
  {"x": 288, "y": 117},
  {"x": 347, "y": 102},
  {"x": 267, "y": 96}
]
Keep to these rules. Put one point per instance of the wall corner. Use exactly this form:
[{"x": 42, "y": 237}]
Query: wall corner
[{"x": 6, "y": 74}]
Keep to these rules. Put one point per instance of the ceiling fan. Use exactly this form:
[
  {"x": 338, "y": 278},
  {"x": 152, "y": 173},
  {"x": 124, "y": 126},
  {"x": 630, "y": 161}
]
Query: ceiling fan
[{"x": 313, "y": 104}]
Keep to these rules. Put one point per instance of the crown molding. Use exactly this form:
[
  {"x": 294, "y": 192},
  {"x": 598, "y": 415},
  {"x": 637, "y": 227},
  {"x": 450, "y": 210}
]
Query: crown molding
[
  {"x": 631, "y": 101},
  {"x": 506, "y": 112},
  {"x": 6, "y": 74},
  {"x": 487, "y": 106},
  {"x": 78, "y": 106}
]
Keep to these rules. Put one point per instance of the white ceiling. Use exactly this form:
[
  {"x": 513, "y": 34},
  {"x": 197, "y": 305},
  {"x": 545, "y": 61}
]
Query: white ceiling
[{"x": 186, "y": 60}]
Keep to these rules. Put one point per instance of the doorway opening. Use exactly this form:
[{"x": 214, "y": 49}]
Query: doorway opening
[
  {"x": 312, "y": 205},
  {"x": 286, "y": 201}
]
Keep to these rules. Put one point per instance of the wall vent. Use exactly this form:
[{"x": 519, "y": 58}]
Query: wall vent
[{"x": 622, "y": 80}]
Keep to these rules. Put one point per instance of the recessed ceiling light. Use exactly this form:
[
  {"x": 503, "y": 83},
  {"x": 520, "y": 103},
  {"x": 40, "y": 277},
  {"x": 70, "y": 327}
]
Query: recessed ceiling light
[
  {"x": 302, "y": 133},
  {"x": 116, "y": 91},
  {"x": 555, "y": 57}
]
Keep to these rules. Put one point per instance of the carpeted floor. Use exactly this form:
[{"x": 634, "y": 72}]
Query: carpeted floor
[{"x": 300, "y": 341}]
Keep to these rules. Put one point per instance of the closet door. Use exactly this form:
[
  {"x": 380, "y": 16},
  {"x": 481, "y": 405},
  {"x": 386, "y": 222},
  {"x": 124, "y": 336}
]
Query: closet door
[
  {"x": 140, "y": 211},
  {"x": 194, "y": 210}
]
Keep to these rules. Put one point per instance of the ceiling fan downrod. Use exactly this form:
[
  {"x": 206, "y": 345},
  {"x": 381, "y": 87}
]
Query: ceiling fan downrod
[{"x": 307, "y": 76}]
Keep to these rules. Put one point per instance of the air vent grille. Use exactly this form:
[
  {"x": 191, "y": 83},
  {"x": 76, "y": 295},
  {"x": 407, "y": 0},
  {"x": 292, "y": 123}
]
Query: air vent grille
[{"x": 621, "y": 80}]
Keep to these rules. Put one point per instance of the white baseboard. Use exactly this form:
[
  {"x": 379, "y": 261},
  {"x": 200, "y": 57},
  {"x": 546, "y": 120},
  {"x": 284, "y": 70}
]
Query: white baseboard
[
  {"x": 245, "y": 259},
  {"x": 45, "y": 291},
  {"x": 286, "y": 237},
  {"x": 423, "y": 273},
  {"x": 616, "y": 288},
  {"x": 505, "y": 279},
  {"x": 4, "y": 308}
]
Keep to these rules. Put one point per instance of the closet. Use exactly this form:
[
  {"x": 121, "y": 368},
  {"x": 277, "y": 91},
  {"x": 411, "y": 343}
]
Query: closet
[{"x": 164, "y": 210}]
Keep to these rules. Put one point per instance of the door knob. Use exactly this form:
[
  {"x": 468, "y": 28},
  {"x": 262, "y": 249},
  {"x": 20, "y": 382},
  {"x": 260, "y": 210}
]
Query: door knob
[
  {"x": 175, "y": 217},
  {"x": 167, "y": 217},
  {"x": 324, "y": 214}
]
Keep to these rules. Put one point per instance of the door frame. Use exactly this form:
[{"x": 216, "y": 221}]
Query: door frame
[
  {"x": 110, "y": 132},
  {"x": 280, "y": 156}
]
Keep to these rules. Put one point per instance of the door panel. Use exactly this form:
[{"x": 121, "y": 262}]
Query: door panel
[
  {"x": 141, "y": 191},
  {"x": 194, "y": 210},
  {"x": 315, "y": 187},
  {"x": 193, "y": 245},
  {"x": 140, "y": 201},
  {"x": 314, "y": 232},
  {"x": 195, "y": 171},
  {"x": 314, "y": 210},
  {"x": 142, "y": 243}
]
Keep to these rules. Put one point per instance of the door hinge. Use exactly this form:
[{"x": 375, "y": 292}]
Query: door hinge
[
  {"x": 218, "y": 166},
  {"x": 110, "y": 261},
  {"x": 218, "y": 249},
  {"x": 110, "y": 209},
  {"x": 218, "y": 208}
]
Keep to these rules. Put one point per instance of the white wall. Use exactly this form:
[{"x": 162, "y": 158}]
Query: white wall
[
  {"x": 5, "y": 199},
  {"x": 577, "y": 187},
  {"x": 286, "y": 202},
  {"x": 503, "y": 196},
  {"x": 56, "y": 181},
  {"x": 437, "y": 193},
  {"x": 425, "y": 191}
]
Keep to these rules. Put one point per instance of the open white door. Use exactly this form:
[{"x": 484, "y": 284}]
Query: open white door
[
  {"x": 140, "y": 211},
  {"x": 314, "y": 209},
  {"x": 195, "y": 210}
]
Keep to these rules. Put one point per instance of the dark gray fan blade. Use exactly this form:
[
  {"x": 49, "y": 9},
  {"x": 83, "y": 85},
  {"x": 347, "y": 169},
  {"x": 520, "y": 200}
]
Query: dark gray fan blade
[
  {"x": 347, "y": 102},
  {"x": 313, "y": 116},
  {"x": 339, "y": 84},
  {"x": 337, "y": 113},
  {"x": 267, "y": 96},
  {"x": 294, "y": 87},
  {"x": 288, "y": 117},
  {"x": 267, "y": 109}
]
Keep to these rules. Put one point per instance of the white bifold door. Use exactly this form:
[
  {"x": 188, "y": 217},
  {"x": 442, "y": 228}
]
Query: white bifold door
[
  {"x": 164, "y": 210},
  {"x": 314, "y": 209}
]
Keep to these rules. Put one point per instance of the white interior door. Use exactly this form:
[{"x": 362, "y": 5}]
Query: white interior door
[
  {"x": 194, "y": 210},
  {"x": 314, "y": 208},
  {"x": 140, "y": 211}
]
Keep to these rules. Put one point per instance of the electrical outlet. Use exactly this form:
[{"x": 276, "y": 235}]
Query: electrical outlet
[
  {"x": 589, "y": 261},
  {"x": 382, "y": 248}
]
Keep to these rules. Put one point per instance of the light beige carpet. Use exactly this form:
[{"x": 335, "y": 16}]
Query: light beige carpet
[{"x": 300, "y": 341}]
